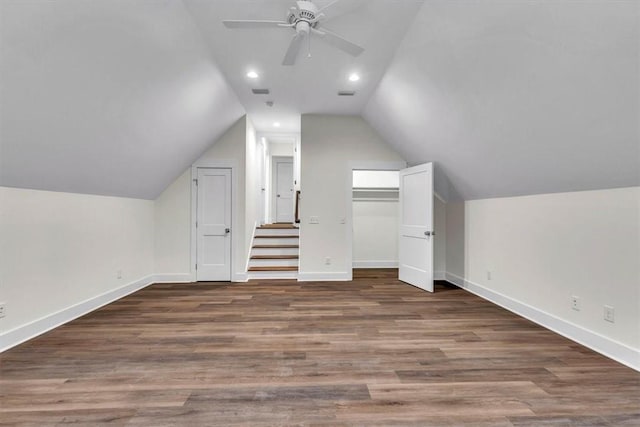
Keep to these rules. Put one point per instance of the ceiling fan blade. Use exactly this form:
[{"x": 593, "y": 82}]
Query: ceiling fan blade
[
  {"x": 254, "y": 24},
  {"x": 338, "y": 41},
  {"x": 294, "y": 48}
]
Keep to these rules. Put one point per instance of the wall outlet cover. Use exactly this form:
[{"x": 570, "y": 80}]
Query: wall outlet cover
[
  {"x": 609, "y": 313},
  {"x": 575, "y": 303}
]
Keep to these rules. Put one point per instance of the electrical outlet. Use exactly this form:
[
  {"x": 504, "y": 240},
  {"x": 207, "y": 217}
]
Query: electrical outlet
[
  {"x": 488, "y": 275},
  {"x": 327, "y": 261},
  {"x": 3, "y": 311},
  {"x": 575, "y": 303},
  {"x": 119, "y": 274},
  {"x": 609, "y": 314}
]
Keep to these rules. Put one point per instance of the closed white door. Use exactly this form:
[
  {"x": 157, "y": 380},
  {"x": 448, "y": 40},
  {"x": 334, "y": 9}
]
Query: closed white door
[
  {"x": 213, "y": 226},
  {"x": 415, "y": 245},
  {"x": 284, "y": 190}
]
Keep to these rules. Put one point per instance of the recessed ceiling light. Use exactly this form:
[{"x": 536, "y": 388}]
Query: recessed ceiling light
[
  {"x": 354, "y": 77},
  {"x": 276, "y": 124},
  {"x": 252, "y": 74}
]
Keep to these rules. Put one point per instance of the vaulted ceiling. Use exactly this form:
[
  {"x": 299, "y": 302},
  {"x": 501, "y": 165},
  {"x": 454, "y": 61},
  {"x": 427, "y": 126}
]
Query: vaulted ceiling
[
  {"x": 517, "y": 97},
  {"x": 118, "y": 97},
  {"x": 312, "y": 84}
]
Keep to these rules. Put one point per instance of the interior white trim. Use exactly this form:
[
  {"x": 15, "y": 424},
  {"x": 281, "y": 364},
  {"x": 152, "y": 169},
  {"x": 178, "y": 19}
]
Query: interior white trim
[
  {"x": 360, "y": 165},
  {"x": 218, "y": 163},
  {"x": 606, "y": 346},
  {"x": 46, "y": 323},
  {"x": 329, "y": 276},
  {"x": 375, "y": 264},
  {"x": 253, "y": 237},
  {"x": 239, "y": 277},
  {"x": 439, "y": 275},
  {"x": 172, "y": 278},
  {"x": 456, "y": 280}
]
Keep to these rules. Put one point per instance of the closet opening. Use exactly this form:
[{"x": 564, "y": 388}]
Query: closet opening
[{"x": 375, "y": 216}]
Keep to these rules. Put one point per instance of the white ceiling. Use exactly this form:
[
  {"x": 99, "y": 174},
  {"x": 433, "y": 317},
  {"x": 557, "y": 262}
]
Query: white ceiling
[
  {"x": 517, "y": 97},
  {"x": 311, "y": 85},
  {"x": 118, "y": 97},
  {"x": 112, "y": 97}
]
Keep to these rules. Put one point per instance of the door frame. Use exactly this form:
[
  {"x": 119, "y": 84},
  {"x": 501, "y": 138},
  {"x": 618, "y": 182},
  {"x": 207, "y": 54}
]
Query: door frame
[
  {"x": 232, "y": 164},
  {"x": 355, "y": 165},
  {"x": 273, "y": 214}
]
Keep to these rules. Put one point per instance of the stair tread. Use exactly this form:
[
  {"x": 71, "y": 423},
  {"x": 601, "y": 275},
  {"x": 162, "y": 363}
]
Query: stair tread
[
  {"x": 275, "y": 246},
  {"x": 277, "y": 236},
  {"x": 274, "y": 257},
  {"x": 277, "y": 226},
  {"x": 271, "y": 268}
]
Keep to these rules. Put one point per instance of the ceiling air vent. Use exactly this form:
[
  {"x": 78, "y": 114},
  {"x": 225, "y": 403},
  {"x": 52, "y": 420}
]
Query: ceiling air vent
[
  {"x": 346, "y": 93},
  {"x": 260, "y": 91}
]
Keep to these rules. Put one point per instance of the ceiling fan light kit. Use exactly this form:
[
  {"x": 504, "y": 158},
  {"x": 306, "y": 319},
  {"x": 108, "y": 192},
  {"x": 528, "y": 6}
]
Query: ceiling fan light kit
[{"x": 305, "y": 19}]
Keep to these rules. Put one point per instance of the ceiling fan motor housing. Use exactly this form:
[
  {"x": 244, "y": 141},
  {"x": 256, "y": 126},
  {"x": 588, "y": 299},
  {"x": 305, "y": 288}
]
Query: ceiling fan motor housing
[{"x": 305, "y": 13}]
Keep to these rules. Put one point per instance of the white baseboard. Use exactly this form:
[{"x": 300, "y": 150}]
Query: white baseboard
[
  {"x": 606, "y": 346},
  {"x": 324, "y": 276},
  {"x": 188, "y": 278},
  {"x": 240, "y": 277},
  {"x": 38, "y": 327},
  {"x": 452, "y": 278},
  {"x": 173, "y": 278},
  {"x": 375, "y": 264}
]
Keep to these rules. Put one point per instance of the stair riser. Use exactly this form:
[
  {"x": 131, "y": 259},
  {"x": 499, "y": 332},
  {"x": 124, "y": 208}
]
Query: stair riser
[
  {"x": 277, "y": 231},
  {"x": 273, "y": 262},
  {"x": 271, "y": 251},
  {"x": 275, "y": 241},
  {"x": 273, "y": 275}
]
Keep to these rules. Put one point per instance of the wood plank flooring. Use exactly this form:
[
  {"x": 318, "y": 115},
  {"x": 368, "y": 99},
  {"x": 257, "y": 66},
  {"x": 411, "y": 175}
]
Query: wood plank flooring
[{"x": 372, "y": 352}]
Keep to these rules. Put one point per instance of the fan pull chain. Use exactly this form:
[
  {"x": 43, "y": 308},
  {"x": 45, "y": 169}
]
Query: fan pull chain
[{"x": 309, "y": 51}]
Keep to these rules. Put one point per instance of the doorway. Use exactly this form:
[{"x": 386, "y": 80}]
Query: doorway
[
  {"x": 375, "y": 218},
  {"x": 213, "y": 224},
  {"x": 283, "y": 185}
]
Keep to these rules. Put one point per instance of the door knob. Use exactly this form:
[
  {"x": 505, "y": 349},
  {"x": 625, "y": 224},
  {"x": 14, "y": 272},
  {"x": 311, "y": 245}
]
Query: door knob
[
  {"x": 278, "y": 195},
  {"x": 429, "y": 233},
  {"x": 227, "y": 230}
]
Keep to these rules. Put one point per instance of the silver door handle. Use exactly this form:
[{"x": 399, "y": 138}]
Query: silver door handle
[
  {"x": 429, "y": 233},
  {"x": 227, "y": 230}
]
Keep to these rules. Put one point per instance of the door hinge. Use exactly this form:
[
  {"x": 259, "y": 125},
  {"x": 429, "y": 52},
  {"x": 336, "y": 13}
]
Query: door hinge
[
  {"x": 196, "y": 224},
  {"x": 196, "y": 267},
  {"x": 196, "y": 181}
]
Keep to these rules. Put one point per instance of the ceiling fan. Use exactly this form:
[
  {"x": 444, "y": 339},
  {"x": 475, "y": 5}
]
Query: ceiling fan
[{"x": 305, "y": 18}]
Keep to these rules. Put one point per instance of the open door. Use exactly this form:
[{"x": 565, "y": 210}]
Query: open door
[{"x": 415, "y": 243}]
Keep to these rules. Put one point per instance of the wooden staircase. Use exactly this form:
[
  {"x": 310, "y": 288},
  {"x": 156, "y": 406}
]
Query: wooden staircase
[{"x": 274, "y": 254}]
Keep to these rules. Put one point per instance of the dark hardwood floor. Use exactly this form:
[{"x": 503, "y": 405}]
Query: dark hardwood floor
[{"x": 372, "y": 352}]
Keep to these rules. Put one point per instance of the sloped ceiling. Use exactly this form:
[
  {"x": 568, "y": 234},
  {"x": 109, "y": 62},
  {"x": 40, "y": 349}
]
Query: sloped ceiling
[
  {"x": 516, "y": 97},
  {"x": 105, "y": 97},
  {"x": 118, "y": 97}
]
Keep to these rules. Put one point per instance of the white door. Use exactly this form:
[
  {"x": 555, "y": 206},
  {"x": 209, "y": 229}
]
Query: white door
[
  {"x": 415, "y": 245},
  {"x": 284, "y": 190},
  {"x": 213, "y": 225}
]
